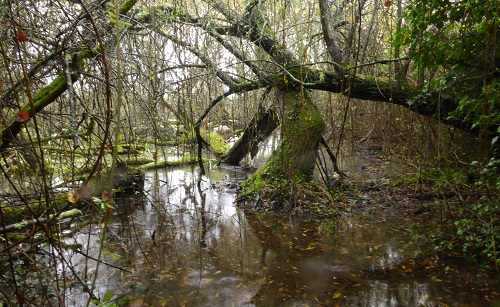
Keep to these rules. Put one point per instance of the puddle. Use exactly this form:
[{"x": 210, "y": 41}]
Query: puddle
[{"x": 190, "y": 246}]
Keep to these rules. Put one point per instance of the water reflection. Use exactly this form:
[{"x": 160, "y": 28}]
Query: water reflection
[{"x": 190, "y": 245}]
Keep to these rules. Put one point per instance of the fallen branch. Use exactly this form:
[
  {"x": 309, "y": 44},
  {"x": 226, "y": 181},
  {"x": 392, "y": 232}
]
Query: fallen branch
[{"x": 27, "y": 223}]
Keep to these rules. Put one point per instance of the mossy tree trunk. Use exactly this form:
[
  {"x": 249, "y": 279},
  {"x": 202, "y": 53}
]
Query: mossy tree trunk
[
  {"x": 303, "y": 126},
  {"x": 294, "y": 160}
]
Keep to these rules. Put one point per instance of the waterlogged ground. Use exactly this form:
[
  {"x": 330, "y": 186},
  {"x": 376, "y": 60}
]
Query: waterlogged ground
[{"x": 186, "y": 245}]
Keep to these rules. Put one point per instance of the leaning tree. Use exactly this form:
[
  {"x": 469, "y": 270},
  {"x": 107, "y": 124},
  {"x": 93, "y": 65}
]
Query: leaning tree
[
  {"x": 454, "y": 85},
  {"x": 68, "y": 66},
  {"x": 443, "y": 63}
]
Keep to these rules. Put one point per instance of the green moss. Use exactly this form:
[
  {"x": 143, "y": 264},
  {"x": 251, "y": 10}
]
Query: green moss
[
  {"x": 254, "y": 184},
  {"x": 293, "y": 161},
  {"x": 185, "y": 160},
  {"x": 217, "y": 142},
  {"x": 270, "y": 177},
  {"x": 16, "y": 214},
  {"x": 127, "y": 6},
  {"x": 49, "y": 93},
  {"x": 136, "y": 160}
]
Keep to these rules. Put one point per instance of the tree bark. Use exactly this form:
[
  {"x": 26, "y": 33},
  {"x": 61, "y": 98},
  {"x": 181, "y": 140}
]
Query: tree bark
[
  {"x": 329, "y": 25},
  {"x": 294, "y": 160},
  {"x": 437, "y": 105},
  {"x": 259, "y": 129}
]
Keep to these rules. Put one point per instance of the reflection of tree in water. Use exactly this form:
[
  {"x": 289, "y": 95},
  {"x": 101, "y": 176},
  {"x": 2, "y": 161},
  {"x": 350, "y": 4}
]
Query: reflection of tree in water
[
  {"x": 284, "y": 246},
  {"x": 203, "y": 216},
  {"x": 297, "y": 269},
  {"x": 203, "y": 254}
]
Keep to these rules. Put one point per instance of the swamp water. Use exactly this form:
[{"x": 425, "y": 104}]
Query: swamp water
[{"x": 189, "y": 245}]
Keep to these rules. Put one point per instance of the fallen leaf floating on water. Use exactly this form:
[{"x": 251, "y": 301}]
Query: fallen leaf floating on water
[
  {"x": 337, "y": 295},
  {"x": 434, "y": 278},
  {"x": 308, "y": 248}
]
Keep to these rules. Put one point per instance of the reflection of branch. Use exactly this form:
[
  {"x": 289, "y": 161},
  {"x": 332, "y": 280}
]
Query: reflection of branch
[
  {"x": 103, "y": 262},
  {"x": 332, "y": 156}
]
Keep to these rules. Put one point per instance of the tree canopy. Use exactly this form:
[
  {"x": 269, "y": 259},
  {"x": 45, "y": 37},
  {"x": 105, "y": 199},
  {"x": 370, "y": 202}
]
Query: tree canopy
[
  {"x": 448, "y": 50},
  {"x": 191, "y": 61}
]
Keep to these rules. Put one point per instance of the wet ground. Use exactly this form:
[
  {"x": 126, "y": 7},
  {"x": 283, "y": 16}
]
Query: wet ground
[{"x": 189, "y": 245}]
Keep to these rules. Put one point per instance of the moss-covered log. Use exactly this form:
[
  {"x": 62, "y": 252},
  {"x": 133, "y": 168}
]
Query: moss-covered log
[
  {"x": 27, "y": 223},
  {"x": 186, "y": 160},
  {"x": 433, "y": 104},
  {"x": 42, "y": 99}
]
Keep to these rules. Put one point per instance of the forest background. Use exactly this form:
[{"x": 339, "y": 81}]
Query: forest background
[{"x": 85, "y": 81}]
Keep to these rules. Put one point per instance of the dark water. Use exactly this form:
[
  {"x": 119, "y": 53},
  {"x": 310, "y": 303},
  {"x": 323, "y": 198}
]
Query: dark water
[{"x": 191, "y": 246}]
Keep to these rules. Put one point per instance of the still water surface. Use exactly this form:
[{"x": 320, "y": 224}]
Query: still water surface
[{"x": 189, "y": 245}]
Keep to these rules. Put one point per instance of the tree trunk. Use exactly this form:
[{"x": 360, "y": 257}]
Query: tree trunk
[
  {"x": 294, "y": 160},
  {"x": 259, "y": 128}
]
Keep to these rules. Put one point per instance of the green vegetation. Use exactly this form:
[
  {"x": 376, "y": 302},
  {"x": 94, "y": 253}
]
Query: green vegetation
[
  {"x": 459, "y": 62},
  {"x": 91, "y": 89}
]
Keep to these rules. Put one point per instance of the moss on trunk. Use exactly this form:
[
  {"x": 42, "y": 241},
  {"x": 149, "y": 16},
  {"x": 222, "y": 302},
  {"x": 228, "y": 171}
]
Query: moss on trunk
[
  {"x": 294, "y": 160},
  {"x": 40, "y": 100}
]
